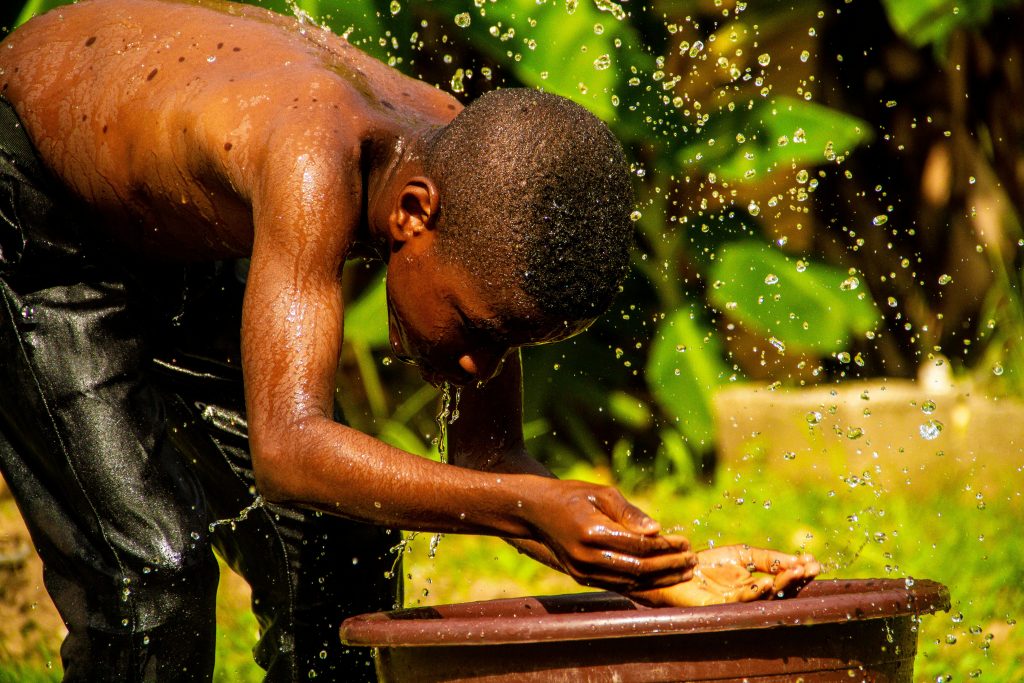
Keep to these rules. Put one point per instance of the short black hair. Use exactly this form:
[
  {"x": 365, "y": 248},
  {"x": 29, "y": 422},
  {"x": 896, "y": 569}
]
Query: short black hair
[{"x": 535, "y": 193}]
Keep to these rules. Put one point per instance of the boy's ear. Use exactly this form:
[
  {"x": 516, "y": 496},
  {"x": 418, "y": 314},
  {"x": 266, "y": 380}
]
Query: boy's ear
[{"x": 414, "y": 214}]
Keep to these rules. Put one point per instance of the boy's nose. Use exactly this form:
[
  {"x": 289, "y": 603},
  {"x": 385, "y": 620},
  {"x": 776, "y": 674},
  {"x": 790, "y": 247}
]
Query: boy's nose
[{"x": 482, "y": 366}]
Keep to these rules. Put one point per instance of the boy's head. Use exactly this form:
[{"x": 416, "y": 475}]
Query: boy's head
[{"x": 532, "y": 221}]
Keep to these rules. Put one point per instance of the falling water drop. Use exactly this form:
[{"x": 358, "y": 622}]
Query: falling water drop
[{"x": 930, "y": 430}]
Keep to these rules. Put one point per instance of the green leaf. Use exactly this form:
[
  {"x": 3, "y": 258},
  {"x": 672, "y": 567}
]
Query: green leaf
[
  {"x": 811, "y": 307},
  {"x": 923, "y": 22},
  {"x": 682, "y": 469},
  {"x": 747, "y": 144},
  {"x": 683, "y": 369},
  {"x": 35, "y": 7},
  {"x": 629, "y": 410},
  {"x": 366, "y": 320},
  {"x": 556, "y": 50},
  {"x": 401, "y": 436}
]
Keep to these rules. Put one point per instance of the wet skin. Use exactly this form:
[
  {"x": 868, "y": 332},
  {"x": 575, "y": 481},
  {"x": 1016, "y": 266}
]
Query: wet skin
[{"x": 203, "y": 131}]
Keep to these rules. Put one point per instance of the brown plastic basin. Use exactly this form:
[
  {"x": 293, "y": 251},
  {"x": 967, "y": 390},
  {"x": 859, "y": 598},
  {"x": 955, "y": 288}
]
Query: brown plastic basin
[{"x": 839, "y": 630}]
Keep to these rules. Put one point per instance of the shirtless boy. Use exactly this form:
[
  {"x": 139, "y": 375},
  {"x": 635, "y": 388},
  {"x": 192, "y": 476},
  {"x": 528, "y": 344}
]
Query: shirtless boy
[{"x": 146, "y": 145}]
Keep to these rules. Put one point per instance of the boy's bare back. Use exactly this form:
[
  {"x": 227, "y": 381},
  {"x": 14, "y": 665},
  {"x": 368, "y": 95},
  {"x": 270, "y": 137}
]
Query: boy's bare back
[{"x": 214, "y": 104}]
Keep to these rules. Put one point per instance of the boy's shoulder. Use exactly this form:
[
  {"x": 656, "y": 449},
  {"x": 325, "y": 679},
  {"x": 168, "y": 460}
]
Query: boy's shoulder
[{"x": 200, "y": 102}]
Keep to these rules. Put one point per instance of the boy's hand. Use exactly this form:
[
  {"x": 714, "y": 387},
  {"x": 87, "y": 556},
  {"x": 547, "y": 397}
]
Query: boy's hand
[
  {"x": 727, "y": 575},
  {"x": 601, "y": 539}
]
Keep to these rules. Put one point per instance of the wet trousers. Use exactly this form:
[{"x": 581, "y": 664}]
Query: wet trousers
[{"x": 123, "y": 438}]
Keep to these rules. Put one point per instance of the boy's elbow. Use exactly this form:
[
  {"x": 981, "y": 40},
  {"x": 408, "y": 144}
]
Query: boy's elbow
[{"x": 274, "y": 481}]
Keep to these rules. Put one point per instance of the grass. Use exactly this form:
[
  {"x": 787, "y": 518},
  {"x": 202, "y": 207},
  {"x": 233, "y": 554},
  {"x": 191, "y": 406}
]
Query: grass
[{"x": 966, "y": 535}]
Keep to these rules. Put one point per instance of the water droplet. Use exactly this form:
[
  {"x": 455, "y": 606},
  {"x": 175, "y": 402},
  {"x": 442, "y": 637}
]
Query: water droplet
[
  {"x": 799, "y": 136},
  {"x": 801, "y": 176},
  {"x": 771, "y": 279},
  {"x": 194, "y": 535},
  {"x": 696, "y": 48},
  {"x": 945, "y": 279},
  {"x": 843, "y": 357},
  {"x": 602, "y": 62},
  {"x": 779, "y": 345},
  {"x": 457, "y": 80},
  {"x": 789, "y": 455},
  {"x": 462, "y": 20},
  {"x": 854, "y": 433},
  {"x": 880, "y": 219},
  {"x": 849, "y": 284},
  {"x": 764, "y": 59},
  {"x": 813, "y": 417},
  {"x": 28, "y": 314},
  {"x": 928, "y": 407},
  {"x": 930, "y": 430},
  {"x": 753, "y": 208},
  {"x": 396, "y": 7},
  {"x": 997, "y": 369},
  {"x": 635, "y": 216}
]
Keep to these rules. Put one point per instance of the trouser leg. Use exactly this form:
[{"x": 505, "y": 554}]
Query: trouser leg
[
  {"x": 119, "y": 521},
  {"x": 308, "y": 571}
]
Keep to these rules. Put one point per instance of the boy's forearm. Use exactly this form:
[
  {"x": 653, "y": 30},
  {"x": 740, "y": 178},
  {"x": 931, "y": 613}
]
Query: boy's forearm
[{"x": 340, "y": 470}]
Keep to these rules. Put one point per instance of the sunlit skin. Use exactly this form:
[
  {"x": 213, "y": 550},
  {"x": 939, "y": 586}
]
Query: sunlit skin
[{"x": 203, "y": 131}]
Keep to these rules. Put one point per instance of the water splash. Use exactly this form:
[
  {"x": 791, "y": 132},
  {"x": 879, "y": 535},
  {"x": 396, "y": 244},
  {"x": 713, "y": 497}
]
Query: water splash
[
  {"x": 257, "y": 502},
  {"x": 448, "y": 414}
]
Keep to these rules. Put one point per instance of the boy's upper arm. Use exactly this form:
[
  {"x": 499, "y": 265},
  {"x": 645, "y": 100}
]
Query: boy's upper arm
[{"x": 305, "y": 212}]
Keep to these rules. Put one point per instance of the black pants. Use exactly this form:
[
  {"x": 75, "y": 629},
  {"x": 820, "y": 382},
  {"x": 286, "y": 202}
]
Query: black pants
[{"x": 123, "y": 438}]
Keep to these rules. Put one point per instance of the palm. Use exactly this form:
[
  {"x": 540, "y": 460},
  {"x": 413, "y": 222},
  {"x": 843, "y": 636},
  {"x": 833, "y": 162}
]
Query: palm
[{"x": 735, "y": 573}]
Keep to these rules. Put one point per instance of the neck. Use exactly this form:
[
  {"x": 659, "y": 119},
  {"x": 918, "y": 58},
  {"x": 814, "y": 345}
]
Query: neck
[{"x": 393, "y": 161}]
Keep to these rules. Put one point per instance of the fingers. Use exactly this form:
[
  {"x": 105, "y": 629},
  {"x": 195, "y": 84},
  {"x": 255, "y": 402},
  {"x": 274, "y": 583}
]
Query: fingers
[
  {"x": 615, "y": 505},
  {"x": 620, "y": 571},
  {"x": 774, "y": 562}
]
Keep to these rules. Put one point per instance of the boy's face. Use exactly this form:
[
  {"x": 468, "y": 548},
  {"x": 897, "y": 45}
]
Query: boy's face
[{"x": 455, "y": 327}]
